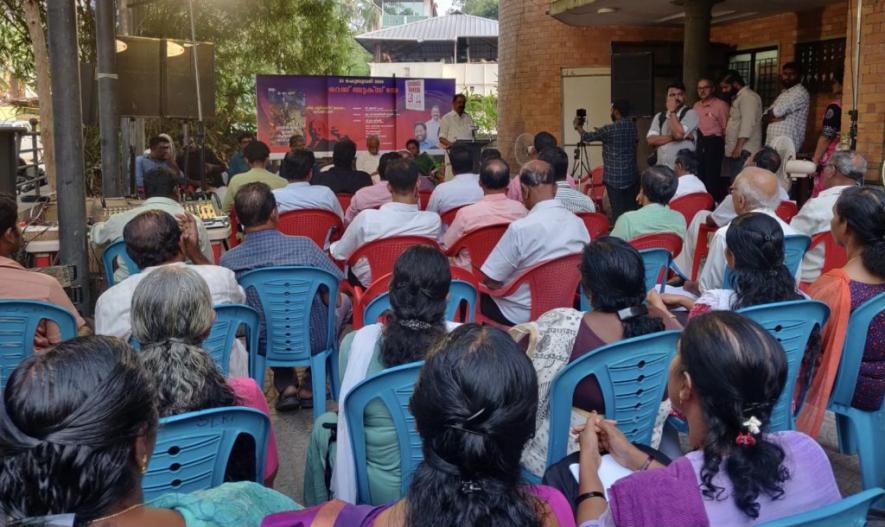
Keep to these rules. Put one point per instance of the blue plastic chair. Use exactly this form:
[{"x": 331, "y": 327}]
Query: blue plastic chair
[
  {"x": 19, "y": 320},
  {"x": 192, "y": 449},
  {"x": 791, "y": 324},
  {"x": 859, "y": 431},
  {"x": 393, "y": 388},
  {"x": 228, "y": 319},
  {"x": 654, "y": 261},
  {"x": 795, "y": 246},
  {"x": 632, "y": 375},
  {"x": 286, "y": 294},
  {"x": 459, "y": 291},
  {"x": 849, "y": 512},
  {"x": 109, "y": 261}
]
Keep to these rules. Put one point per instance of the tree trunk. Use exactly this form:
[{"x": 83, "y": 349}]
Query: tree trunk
[{"x": 44, "y": 91}]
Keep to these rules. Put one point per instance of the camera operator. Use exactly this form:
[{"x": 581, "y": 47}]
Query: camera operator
[{"x": 618, "y": 157}]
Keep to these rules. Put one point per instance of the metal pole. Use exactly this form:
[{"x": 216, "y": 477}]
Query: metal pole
[
  {"x": 201, "y": 130},
  {"x": 852, "y": 133},
  {"x": 108, "y": 108},
  {"x": 68, "y": 134}
]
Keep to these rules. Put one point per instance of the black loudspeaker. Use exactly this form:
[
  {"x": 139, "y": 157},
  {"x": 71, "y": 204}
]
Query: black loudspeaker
[
  {"x": 633, "y": 76},
  {"x": 156, "y": 77},
  {"x": 9, "y": 157}
]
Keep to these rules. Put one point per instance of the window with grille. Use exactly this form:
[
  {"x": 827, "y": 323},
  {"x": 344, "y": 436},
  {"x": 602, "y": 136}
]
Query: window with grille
[
  {"x": 822, "y": 61},
  {"x": 759, "y": 68}
]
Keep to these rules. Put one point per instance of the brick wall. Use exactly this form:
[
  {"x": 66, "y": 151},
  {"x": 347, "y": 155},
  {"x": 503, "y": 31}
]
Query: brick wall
[
  {"x": 871, "y": 95},
  {"x": 532, "y": 49}
]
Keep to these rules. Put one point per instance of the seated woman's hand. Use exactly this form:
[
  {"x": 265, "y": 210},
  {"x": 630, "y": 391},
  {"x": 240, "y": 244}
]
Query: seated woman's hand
[
  {"x": 616, "y": 443},
  {"x": 588, "y": 438}
]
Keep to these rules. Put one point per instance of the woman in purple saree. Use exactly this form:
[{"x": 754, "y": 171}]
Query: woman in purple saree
[{"x": 474, "y": 406}]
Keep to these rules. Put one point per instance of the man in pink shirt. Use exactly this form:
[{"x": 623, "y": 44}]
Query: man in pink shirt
[
  {"x": 373, "y": 196},
  {"x": 542, "y": 141},
  {"x": 494, "y": 207},
  {"x": 712, "y": 119}
]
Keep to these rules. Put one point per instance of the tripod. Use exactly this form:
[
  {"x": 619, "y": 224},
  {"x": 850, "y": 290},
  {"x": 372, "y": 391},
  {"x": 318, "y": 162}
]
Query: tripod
[{"x": 581, "y": 167}]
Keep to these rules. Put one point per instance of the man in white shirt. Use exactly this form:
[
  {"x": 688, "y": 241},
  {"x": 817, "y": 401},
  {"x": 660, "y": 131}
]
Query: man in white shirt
[
  {"x": 843, "y": 170},
  {"x": 368, "y": 161},
  {"x": 432, "y": 127},
  {"x": 673, "y": 129},
  {"x": 572, "y": 199},
  {"x": 154, "y": 238},
  {"x": 463, "y": 189},
  {"x": 549, "y": 231},
  {"x": 789, "y": 114},
  {"x": 456, "y": 125},
  {"x": 400, "y": 217},
  {"x": 754, "y": 190},
  {"x": 686, "y": 168},
  {"x": 297, "y": 169}
]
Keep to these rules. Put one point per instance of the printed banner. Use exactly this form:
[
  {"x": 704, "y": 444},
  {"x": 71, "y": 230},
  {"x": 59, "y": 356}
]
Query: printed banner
[{"x": 326, "y": 109}]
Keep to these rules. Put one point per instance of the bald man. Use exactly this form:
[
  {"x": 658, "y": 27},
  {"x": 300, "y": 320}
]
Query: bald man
[{"x": 754, "y": 190}]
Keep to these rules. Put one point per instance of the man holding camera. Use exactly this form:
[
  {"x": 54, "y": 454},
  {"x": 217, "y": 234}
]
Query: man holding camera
[{"x": 618, "y": 156}]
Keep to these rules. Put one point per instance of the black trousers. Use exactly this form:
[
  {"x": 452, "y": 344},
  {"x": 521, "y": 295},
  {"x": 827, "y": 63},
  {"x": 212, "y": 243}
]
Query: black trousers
[
  {"x": 489, "y": 308},
  {"x": 711, "y": 150},
  {"x": 621, "y": 199}
]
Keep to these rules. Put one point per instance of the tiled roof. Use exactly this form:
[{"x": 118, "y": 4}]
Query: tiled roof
[{"x": 448, "y": 27}]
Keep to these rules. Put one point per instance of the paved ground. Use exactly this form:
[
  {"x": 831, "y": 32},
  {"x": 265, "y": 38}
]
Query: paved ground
[{"x": 293, "y": 429}]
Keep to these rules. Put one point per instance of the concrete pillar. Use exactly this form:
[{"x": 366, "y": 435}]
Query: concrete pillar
[
  {"x": 696, "y": 44},
  {"x": 108, "y": 111}
]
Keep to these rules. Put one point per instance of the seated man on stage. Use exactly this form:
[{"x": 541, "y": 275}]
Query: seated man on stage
[
  {"x": 297, "y": 169},
  {"x": 18, "y": 283},
  {"x": 401, "y": 217},
  {"x": 463, "y": 189},
  {"x": 549, "y": 231}
]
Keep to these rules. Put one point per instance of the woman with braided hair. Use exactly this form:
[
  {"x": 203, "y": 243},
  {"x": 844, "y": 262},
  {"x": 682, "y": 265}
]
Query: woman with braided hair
[
  {"x": 726, "y": 377},
  {"x": 77, "y": 430},
  {"x": 416, "y": 321}
]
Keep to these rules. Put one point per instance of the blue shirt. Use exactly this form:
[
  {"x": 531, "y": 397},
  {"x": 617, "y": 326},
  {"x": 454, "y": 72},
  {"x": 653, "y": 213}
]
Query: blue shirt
[
  {"x": 144, "y": 164},
  {"x": 272, "y": 248}
]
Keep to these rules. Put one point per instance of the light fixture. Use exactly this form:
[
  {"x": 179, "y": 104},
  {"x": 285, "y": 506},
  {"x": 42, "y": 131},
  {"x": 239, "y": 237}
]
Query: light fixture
[
  {"x": 173, "y": 49},
  {"x": 606, "y": 10},
  {"x": 120, "y": 45}
]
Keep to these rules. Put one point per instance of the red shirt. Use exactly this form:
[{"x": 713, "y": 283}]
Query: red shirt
[{"x": 712, "y": 116}]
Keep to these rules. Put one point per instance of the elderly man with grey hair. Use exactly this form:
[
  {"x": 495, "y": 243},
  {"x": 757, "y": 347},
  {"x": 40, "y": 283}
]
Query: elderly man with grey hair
[
  {"x": 547, "y": 232},
  {"x": 843, "y": 170},
  {"x": 754, "y": 190},
  {"x": 368, "y": 161}
]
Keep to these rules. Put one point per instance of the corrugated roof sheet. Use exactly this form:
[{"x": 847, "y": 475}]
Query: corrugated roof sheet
[{"x": 448, "y": 27}]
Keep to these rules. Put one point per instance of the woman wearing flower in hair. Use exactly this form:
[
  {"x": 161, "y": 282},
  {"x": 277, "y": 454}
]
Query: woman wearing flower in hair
[
  {"x": 613, "y": 278},
  {"x": 416, "y": 321},
  {"x": 726, "y": 377}
]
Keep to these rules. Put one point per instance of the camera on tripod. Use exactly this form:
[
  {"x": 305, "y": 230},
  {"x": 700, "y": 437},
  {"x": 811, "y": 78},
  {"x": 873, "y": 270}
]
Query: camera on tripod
[{"x": 581, "y": 116}]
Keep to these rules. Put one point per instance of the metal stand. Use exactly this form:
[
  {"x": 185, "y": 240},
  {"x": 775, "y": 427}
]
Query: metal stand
[{"x": 581, "y": 166}]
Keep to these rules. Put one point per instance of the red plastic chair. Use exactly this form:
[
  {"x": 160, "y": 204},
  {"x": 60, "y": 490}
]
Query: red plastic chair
[
  {"x": 344, "y": 200},
  {"x": 424, "y": 199},
  {"x": 786, "y": 210},
  {"x": 448, "y": 217},
  {"x": 596, "y": 222},
  {"x": 659, "y": 240},
  {"x": 596, "y": 188},
  {"x": 702, "y": 247},
  {"x": 479, "y": 242},
  {"x": 552, "y": 284},
  {"x": 316, "y": 224},
  {"x": 690, "y": 204},
  {"x": 382, "y": 254},
  {"x": 834, "y": 254},
  {"x": 232, "y": 240},
  {"x": 360, "y": 299}
]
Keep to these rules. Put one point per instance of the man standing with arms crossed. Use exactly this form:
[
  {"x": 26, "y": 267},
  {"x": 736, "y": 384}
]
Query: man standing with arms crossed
[{"x": 712, "y": 120}]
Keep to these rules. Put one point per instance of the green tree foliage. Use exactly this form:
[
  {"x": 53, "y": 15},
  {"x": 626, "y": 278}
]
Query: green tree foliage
[
  {"x": 484, "y": 111},
  {"x": 483, "y": 8}
]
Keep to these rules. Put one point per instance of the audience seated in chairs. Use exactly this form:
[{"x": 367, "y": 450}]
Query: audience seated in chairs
[
  {"x": 725, "y": 379},
  {"x": 494, "y": 207},
  {"x": 373, "y": 196},
  {"x": 154, "y": 239},
  {"x": 462, "y": 189},
  {"x": 18, "y": 283},
  {"x": 171, "y": 315},
  {"x": 542, "y": 141},
  {"x": 547, "y": 232},
  {"x": 685, "y": 167},
  {"x": 77, "y": 434},
  {"x": 416, "y": 321},
  {"x": 297, "y": 169},
  {"x": 766, "y": 158},
  {"x": 257, "y": 154},
  {"x": 161, "y": 190},
  {"x": 858, "y": 225},
  {"x": 657, "y": 186},
  {"x": 265, "y": 246},
  {"x": 566, "y": 194},
  {"x": 342, "y": 178},
  {"x": 401, "y": 217},
  {"x": 613, "y": 277},
  {"x": 472, "y": 432},
  {"x": 755, "y": 253},
  {"x": 754, "y": 190},
  {"x": 843, "y": 171}
]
